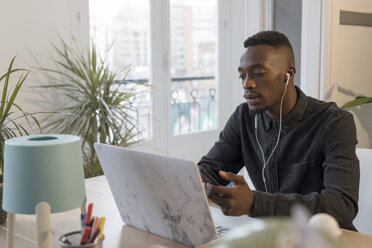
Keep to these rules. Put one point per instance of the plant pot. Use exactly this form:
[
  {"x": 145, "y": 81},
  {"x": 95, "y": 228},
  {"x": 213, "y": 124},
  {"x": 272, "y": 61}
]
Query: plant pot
[{"x": 2, "y": 212}]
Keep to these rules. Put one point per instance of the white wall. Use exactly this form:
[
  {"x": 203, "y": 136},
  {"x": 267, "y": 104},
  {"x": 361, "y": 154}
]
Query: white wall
[
  {"x": 27, "y": 29},
  {"x": 348, "y": 63}
]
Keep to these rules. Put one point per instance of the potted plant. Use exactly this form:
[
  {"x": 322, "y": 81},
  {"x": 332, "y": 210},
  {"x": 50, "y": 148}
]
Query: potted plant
[
  {"x": 97, "y": 104},
  {"x": 10, "y": 115}
]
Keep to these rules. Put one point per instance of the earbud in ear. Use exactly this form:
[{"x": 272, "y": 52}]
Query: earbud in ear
[{"x": 288, "y": 77}]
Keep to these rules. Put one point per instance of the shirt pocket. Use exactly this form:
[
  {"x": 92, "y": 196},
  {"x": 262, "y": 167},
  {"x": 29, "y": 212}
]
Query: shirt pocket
[{"x": 303, "y": 178}]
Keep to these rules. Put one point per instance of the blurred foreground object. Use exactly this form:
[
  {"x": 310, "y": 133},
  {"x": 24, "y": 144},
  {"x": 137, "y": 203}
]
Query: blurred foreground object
[
  {"x": 279, "y": 232},
  {"x": 326, "y": 223}
]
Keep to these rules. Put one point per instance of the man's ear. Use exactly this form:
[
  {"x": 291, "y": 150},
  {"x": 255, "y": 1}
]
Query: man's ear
[{"x": 292, "y": 71}]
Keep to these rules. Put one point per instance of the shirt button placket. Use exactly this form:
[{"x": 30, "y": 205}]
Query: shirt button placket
[{"x": 274, "y": 160}]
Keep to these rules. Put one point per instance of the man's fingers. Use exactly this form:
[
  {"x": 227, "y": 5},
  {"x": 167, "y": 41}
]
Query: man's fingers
[
  {"x": 232, "y": 177},
  {"x": 219, "y": 200},
  {"x": 221, "y": 190}
]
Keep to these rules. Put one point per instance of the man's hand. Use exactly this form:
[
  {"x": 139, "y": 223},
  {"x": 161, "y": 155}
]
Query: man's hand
[{"x": 234, "y": 201}]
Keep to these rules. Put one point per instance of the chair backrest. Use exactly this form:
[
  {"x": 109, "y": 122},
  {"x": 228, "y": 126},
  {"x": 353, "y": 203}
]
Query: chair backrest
[{"x": 363, "y": 221}]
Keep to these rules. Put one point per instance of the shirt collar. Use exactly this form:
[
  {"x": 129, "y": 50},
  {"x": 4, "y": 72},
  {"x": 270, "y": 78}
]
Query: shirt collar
[{"x": 292, "y": 117}]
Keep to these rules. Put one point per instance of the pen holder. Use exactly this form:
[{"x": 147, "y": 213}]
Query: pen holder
[{"x": 74, "y": 239}]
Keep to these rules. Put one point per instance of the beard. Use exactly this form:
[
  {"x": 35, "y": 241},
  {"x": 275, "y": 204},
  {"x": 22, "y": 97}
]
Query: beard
[
  {"x": 256, "y": 109},
  {"x": 255, "y": 103}
]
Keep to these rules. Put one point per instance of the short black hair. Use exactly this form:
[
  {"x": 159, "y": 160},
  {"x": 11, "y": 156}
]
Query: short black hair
[{"x": 271, "y": 38}]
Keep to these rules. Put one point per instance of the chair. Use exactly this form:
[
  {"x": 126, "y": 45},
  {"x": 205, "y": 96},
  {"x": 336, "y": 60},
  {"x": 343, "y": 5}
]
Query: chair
[{"x": 363, "y": 221}]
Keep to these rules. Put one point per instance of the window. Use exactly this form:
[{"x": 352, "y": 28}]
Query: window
[
  {"x": 193, "y": 56},
  {"x": 177, "y": 56},
  {"x": 123, "y": 27}
]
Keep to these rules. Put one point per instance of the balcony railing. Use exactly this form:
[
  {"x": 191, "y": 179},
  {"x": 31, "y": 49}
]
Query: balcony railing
[{"x": 193, "y": 108}]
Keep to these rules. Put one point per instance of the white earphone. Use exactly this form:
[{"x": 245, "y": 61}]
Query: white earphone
[
  {"x": 277, "y": 141},
  {"x": 288, "y": 77}
]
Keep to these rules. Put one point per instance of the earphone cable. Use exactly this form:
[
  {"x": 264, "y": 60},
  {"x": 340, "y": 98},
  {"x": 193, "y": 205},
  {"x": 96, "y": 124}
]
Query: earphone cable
[{"x": 277, "y": 141}]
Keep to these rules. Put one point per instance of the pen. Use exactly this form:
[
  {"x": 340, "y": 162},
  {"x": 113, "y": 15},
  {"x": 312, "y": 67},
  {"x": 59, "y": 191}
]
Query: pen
[
  {"x": 89, "y": 214},
  {"x": 85, "y": 236},
  {"x": 101, "y": 226},
  {"x": 94, "y": 235},
  {"x": 95, "y": 223},
  {"x": 82, "y": 220},
  {"x": 83, "y": 208}
]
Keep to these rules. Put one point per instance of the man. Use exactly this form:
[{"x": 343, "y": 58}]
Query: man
[{"x": 295, "y": 148}]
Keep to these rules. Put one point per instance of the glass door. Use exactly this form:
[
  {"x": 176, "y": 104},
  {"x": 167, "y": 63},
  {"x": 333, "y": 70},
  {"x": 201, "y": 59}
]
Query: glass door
[
  {"x": 192, "y": 67},
  {"x": 172, "y": 45},
  {"x": 193, "y": 88},
  {"x": 120, "y": 30}
]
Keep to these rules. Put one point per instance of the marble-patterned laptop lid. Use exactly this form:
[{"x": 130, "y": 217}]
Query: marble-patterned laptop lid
[{"x": 158, "y": 194}]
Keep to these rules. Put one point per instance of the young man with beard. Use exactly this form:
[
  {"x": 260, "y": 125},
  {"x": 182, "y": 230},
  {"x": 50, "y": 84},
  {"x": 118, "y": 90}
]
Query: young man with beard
[{"x": 296, "y": 149}]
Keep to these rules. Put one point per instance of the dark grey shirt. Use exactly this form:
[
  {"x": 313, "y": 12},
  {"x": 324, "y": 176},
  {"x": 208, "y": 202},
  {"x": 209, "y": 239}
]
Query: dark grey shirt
[{"x": 314, "y": 164}]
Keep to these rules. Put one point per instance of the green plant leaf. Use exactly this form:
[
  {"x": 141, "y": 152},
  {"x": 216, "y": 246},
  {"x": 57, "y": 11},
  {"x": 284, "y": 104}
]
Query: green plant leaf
[
  {"x": 9, "y": 128},
  {"x": 357, "y": 101},
  {"x": 5, "y": 87},
  {"x": 26, "y": 116},
  {"x": 14, "y": 95}
]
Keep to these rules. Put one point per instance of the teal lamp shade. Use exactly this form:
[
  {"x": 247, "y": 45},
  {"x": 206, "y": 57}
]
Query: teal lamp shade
[{"x": 43, "y": 168}]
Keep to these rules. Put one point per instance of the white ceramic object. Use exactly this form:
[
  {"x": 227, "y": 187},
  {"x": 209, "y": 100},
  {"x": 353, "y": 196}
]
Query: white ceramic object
[{"x": 326, "y": 223}]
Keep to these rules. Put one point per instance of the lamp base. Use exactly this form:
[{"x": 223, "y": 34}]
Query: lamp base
[
  {"x": 44, "y": 235},
  {"x": 10, "y": 226}
]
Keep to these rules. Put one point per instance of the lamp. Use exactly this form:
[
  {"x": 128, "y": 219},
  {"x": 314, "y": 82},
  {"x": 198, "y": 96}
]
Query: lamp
[{"x": 42, "y": 174}]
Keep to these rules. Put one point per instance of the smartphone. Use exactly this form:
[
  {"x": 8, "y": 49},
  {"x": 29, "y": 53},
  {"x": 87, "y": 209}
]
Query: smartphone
[{"x": 209, "y": 177}]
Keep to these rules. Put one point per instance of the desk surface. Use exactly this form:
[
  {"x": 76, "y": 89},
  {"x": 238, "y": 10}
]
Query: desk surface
[{"x": 116, "y": 233}]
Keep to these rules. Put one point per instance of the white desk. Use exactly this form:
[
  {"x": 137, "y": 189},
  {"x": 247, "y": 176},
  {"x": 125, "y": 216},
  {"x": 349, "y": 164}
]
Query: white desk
[{"x": 116, "y": 233}]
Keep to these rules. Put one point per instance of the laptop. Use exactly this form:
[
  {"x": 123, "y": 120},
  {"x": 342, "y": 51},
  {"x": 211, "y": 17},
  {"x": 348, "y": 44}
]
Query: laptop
[{"x": 158, "y": 194}]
